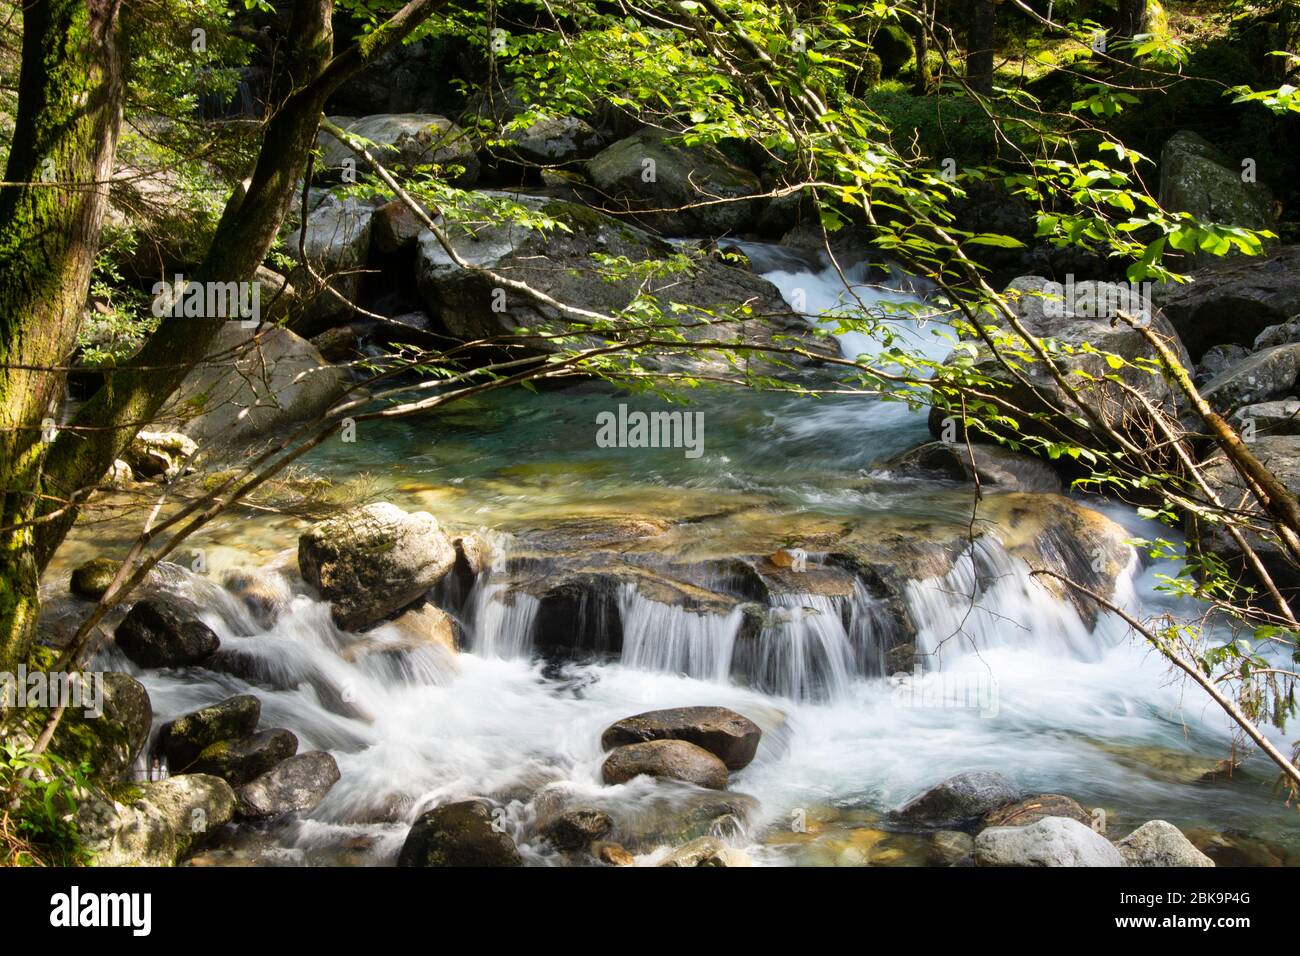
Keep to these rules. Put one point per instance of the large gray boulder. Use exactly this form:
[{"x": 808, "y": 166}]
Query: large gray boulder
[
  {"x": 371, "y": 561},
  {"x": 1042, "y": 308},
  {"x": 404, "y": 141},
  {"x": 1268, "y": 418},
  {"x": 670, "y": 759},
  {"x": 335, "y": 243},
  {"x": 1197, "y": 178},
  {"x": 727, "y": 735},
  {"x": 1261, "y": 377},
  {"x": 994, "y": 466},
  {"x": 470, "y": 306},
  {"x": 1158, "y": 843},
  {"x": 1052, "y": 841},
  {"x": 253, "y": 385},
  {"x": 959, "y": 800},
  {"x": 164, "y": 822},
  {"x": 654, "y": 170},
  {"x": 459, "y": 834}
]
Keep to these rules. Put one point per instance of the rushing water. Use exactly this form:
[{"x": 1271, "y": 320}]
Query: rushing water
[{"x": 1027, "y": 688}]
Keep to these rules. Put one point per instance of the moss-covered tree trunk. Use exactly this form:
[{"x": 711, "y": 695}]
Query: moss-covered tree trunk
[
  {"x": 70, "y": 94},
  {"x": 980, "y": 42}
]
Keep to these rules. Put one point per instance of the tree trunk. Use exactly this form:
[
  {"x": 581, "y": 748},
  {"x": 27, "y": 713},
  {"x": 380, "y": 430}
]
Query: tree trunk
[
  {"x": 70, "y": 93},
  {"x": 921, "y": 39},
  {"x": 979, "y": 46},
  {"x": 1132, "y": 15}
]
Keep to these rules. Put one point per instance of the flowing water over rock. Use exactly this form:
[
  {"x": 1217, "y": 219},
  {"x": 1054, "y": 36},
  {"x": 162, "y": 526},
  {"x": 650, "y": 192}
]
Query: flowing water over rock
[{"x": 628, "y": 580}]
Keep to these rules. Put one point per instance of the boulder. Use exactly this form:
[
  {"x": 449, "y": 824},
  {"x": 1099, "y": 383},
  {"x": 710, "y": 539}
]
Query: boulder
[
  {"x": 995, "y": 466},
  {"x": 1261, "y": 377},
  {"x": 1235, "y": 300},
  {"x": 159, "y": 455},
  {"x": 612, "y": 854},
  {"x": 1285, "y": 334},
  {"x": 162, "y": 633},
  {"x": 707, "y": 851},
  {"x": 395, "y": 227},
  {"x": 654, "y": 170},
  {"x": 183, "y": 739},
  {"x": 335, "y": 242},
  {"x": 671, "y": 759},
  {"x": 239, "y": 761},
  {"x": 428, "y": 626},
  {"x": 727, "y": 735},
  {"x": 298, "y": 783},
  {"x": 1218, "y": 360},
  {"x": 549, "y": 141},
  {"x": 1157, "y": 843},
  {"x": 459, "y": 834},
  {"x": 1268, "y": 418},
  {"x": 371, "y": 561},
  {"x": 469, "y": 307},
  {"x": 1052, "y": 841},
  {"x": 1197, "y": 178},
  {"x": 579, "y": 827},
  {"x": 91, "y": 580},
  {"x": 164, "y": 822},
  {"x": 264, "y": 594},
  {"x": 1032, "y": 809},
  {"x": 111, "y": 739},
  {"x": 1042, "y": 308},
  {"x": 1281, "y": 455},
  {"x": 959, "y": 801},
  {"x": 253, "y": 384},
  {"x": 404, "y": 141}
]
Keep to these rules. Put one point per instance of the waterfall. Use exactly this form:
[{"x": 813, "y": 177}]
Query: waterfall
[{"x": 659, "y": 637}]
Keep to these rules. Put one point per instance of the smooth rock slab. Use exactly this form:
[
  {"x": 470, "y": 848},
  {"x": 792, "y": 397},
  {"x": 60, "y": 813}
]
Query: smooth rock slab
[
  {"x": 1052, "y": 841},
  {"x": 960, "y": 800},
  {"x": 300, "y": 783},
  {"x": 1158, "y": 843},
  {"x": 458, "y": 834},
  {"x": 671, "y": 759},
  {"x": 729, "y": 736}
]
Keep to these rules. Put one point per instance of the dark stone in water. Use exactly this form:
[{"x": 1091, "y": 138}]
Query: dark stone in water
[
  {"x": 183, "y": 739},
  {"x": 160, "y": 633},
  {"x": 458, "y": 834},
  {"x": 299, "y": 783},
  {"x": 673, "y": 759},
  {"x": 959, "y": 801},
  {"x": 729, "y": 736},
  {"x": 579, "y": 827},
  {"x": 240, "y": 761}
]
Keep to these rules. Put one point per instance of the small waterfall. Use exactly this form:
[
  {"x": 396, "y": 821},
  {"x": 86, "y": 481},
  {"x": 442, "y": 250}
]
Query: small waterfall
[
  {"x": 990, "y": 600},
  {"x": 803, "y": 650},
  {"x": 500, "y": 621},
  {"x": 659, "y": 637}
]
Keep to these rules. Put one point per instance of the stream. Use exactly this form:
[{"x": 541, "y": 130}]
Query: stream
[{"x": 1059, "y": 707}]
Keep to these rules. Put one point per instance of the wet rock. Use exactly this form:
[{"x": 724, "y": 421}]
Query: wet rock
[
  {"x": 578, "y": 827},
  {"x": 183, "y": 739},
  {"x": 1268, "y": 418},
  {"x": 159, "y": 455},
  {"x": 612, "y": 854},
  {"x": 959, "y": 800},
  {"x": 1259, "y": 378},
  {"x": 1052, "y": 841},
  {"x": 996, "y": 467},
  {"x": 109, "y": 737},
  {"x": 683, "y": 176},
  {"x": 429, "y": 626},
  {"x": 239, "y": 761},
  {"x": 91, "y": 580},
  {"x": 1286, "y": 333},
  {"x": 339, "y": 344},
  {"x": 1157, "y": 843},
  {"x": 264, "y": 595},
  {"x": 119, "y": 474},
  {"x": 1032, "y": 809},
  {"x": 335, "y": 243},
  {"x": 165, "y": 820},
  {"x": 672, "y": 759},
  {"x": 707, "y": 851},
  {"x": 252, "y": 384},
  {"x": 299, "y": 783},
  {"x": 458, "y": 834},
  {"x": 160, "y": 633},
  {"x": 1218, "y": 360},
  {"x": 674, "y": 814},
  {"x": 729, "y": 736},
  {"x": 395, "y": 226},
  {"x": 373, "y": 560}
]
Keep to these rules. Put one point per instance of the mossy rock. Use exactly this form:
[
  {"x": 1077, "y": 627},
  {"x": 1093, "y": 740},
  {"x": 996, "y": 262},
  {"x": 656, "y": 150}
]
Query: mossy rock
[
  {"x": 91, "y": 580},
  {"x": 109, "y": 737},
  {"x": 894, "y": 48}
]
